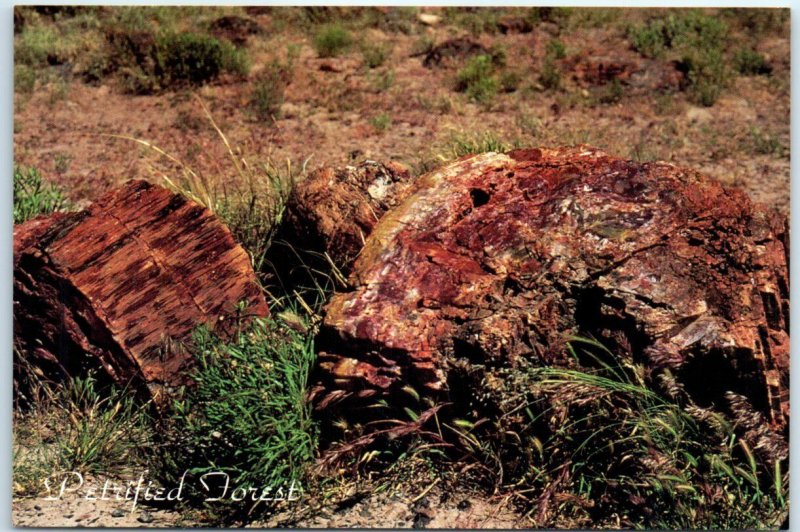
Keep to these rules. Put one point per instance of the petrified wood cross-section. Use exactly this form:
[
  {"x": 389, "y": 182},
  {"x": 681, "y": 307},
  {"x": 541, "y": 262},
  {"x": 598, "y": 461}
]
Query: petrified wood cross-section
[
  {"x": 495, "y": 259},
  {"x": 110, "y": 287}
]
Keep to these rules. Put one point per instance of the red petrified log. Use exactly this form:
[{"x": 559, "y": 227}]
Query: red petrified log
[
  {"x": 497, "y": 259},
  {"x": 335, "y": 209},
  {"x": 110, "y": 287}
]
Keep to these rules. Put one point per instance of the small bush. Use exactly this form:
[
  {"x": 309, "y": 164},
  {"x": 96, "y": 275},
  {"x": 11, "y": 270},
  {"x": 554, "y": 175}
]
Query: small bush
[
  {"x": 764, "y": 143},
  {"x": 381, "y": 122},
  {"x": 382, "y": 81},
  {"x": 24, "y": 79},
  {"x": 268, "y": 90},
  {"x": 32, "y": 196},
  {"x": 195, "y": 58},
  {"x": 550, "y": 75},
  {"x": 612, "y": 92},
  {"x": 247, "y": 416},
  {"x": 706, "y": 75},
  {"x": 698, "y": 40},
  {"x": 38, "y": 46},
  {"x": 476, "y": 79},
  {"x": 751, "y": 63},
  {"x": 555, "y": 49},
  {"x": 332, "y": 40},
  {"x": 510, "y": 81},
  {"x": 375, "y": 55}
]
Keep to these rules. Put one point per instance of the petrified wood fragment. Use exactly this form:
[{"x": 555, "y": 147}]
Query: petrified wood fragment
[
  {"x": 335, "y": 209},
  {"x": 110, "y": 287},
  {"x": 496, "y": 259}
]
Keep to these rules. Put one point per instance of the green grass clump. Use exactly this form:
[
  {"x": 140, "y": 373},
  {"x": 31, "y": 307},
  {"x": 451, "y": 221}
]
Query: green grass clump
[
  {"x": 477, "y": 80},
  {"x": 38, "y": 46},
  {"x": 332, "y": 40},
  {"x": 555, "y": 49},
  {"x": 75, "y": 426},
  {"x": 247, "y": 415},
  {"x": 462, "y": 145},
  {"x": 601, "y": 445},
  {"x": 24, "y": 79},
  {"x": 375, "y": 55},
  {"x": 269, "y": 89},
  {"x": 32, "y": 196},
  {"x": 381, "y": 122},
  {"x": 748, "y": 62}
]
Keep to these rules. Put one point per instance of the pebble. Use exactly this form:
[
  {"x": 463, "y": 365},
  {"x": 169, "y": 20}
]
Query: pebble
[
  {"x": 119, "y": 512},
  {"x": 146, "y": 517}
]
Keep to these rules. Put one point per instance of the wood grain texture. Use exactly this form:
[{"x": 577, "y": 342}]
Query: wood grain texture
[{"x": 113, "y": 286}]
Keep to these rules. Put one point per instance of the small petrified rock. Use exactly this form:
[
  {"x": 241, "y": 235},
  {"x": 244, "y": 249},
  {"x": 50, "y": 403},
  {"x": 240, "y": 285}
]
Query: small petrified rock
[
  {"x": 496, "y": 259},
  {"x": 110, "y": 287},
  {"x": 334, "y": 210}
]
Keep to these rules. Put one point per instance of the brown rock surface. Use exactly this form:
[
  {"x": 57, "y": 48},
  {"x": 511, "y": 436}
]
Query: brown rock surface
[
  {"x": 335, "y": 209},
  {"x": 110, "y": 286},
  {"x": 497, "y": 259}
]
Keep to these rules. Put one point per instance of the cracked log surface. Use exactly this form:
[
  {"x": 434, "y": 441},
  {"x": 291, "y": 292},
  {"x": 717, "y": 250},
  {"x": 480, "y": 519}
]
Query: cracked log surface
[
  {"x": 496, "y": 259},
  {"x": 106, "y": 287}
]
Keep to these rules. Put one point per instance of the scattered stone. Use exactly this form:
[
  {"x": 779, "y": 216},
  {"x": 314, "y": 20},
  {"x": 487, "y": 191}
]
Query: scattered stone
[
  {"x": 118, "y": 512},
  {"x": 145, "y": 517},
  {"x": 118, "y": 286},
  {"x": 495, "y": 260},
  {"x": 464, "y": 505},
  {"x": 429, "y": 19}
]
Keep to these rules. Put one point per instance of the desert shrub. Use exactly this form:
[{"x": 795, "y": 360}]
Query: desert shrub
[
  {"x": 706, "y": 75},
  {"x": 690, "y": 30},
  {"x": 269, "y": 88},
  {"x": 32, "y": 196},
  {"x": 24, "y": 79},
  {"x": 698, "y": 41},
  {"x": 196, "y": 58},
  {"x": 751, "y": 63},
  {"x": 331, "y": 40},
  {"x": 477, "y": 80},
  {"x": 550, "y": 75},
  {"x": 612, "y": 92},
  {"x": 38, "y": 46},
  {"x": 764, "y": 143},
  {"x": 555, "y": 49},
  {"x": 247, "y": 415},
  {"x": 375, "y": 55},
  {"x": 476, "y": 20},
  {"x": 381, "y": 122},
  {"x": 382, "y": 81},
  {"x": 510, "y": 81}
]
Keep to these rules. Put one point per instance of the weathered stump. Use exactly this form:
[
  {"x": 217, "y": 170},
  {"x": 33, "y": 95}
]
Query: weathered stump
[
  {"x": 114, "y": 287},
  {"x": 497, "y": 259}
]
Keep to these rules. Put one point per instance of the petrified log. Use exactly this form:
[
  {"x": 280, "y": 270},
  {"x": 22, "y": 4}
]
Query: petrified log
[
  {"x": 335, "y": 209},
  {"x": 494, "y": 260},
  {"x": 111, "y": 287}
]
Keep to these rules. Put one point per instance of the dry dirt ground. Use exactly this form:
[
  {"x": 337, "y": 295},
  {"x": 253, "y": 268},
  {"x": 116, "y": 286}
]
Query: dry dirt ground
[
  {"x": 71, "y": 131},
  {"x": 330, "y": 107}
]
